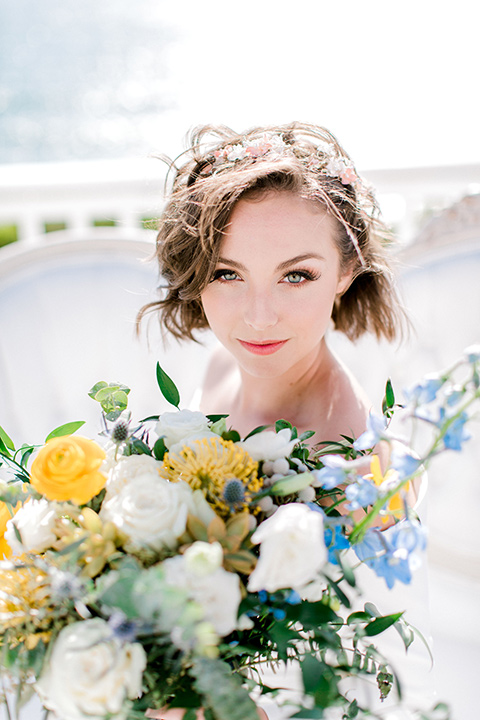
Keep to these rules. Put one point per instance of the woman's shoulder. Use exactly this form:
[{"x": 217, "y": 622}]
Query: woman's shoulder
[{"x": 348, "y": 405}]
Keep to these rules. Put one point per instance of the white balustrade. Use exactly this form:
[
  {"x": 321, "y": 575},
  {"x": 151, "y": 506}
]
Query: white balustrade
[{"x": 128, "y": 191}]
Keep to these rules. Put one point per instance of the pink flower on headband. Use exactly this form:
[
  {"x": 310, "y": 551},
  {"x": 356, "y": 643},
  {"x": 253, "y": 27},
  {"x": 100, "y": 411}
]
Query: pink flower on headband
[{"x": 348, "y": 176}]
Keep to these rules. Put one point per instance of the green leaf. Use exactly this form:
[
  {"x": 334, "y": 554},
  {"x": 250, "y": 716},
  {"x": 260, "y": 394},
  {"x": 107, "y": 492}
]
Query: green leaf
[
  {"x": 348, "y": 573},
  {"x": 231, "y": 435},
  {"x": 222, "y": 690},
  {"x": 94, "y": 390},
  {"x": 358, "y": 617},
  {"x": 67, "y": 429},
  {"x": 282, "y": 424},
  {"x": 377, "y": 626},
  {"x": 167, "y": 387},
  {"x": 257, "y": 430},
  {"x": 26, "y": 453},
  {"x": 6, "y": 440},
  {"x": 159, "y": 449},
  {"x": 388, "y": 402},
  {"x": 306, "y": 435},
  {"x": 215, "y": 418},
  {"x": 139, "y": 447}
]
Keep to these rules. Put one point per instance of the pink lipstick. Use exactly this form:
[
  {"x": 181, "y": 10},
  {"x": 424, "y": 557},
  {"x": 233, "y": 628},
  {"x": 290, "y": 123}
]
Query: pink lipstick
[{"x": 267, "y": 347}]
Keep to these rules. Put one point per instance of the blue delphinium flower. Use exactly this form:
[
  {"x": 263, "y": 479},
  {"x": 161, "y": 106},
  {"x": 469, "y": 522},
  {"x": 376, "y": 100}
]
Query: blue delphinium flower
[
  {"x": 425, "y": 391},
  {"x": 384, "y": 559},
  {"x": 361, "y": 493},
  {"x": 335, "y": 541},
  {"x": 456, "y": 434},
  {"x": 329, "y": 477},
  {"x": 404, "y": 462},
  {"x": 376, "y": 431},
  {"x": 393, "y": 553}
]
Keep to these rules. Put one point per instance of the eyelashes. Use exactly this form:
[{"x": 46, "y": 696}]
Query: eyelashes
[
  {"x": 304, "y": 274},
  {"x": 301, "y": 276},
  {"x": 223, "y": 275}
]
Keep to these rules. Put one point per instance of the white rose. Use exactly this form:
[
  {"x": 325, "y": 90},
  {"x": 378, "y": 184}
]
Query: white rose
[
  {"x": 175, "y": 426},
  {"x": 129, "y": 468},
  {"x": 217, "y": 592},
  {"x": 151, "y": 511},
  {"x": 269, "y": 445},
  {"x": 203, "y": 558},
  {"x": 292, "y": 549},
  {"x": 34, "y": 521},
  {"x": 90, "y": 674},
  {"x": 190, "y": 440}
]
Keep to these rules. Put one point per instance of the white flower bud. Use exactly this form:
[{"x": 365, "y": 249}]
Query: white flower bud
[
  {"x": 266, "y": 504},
  {"x": 281, "y": 466},
  {"x": 268, "y": 467},
  {"x": 307, "y": 494}
]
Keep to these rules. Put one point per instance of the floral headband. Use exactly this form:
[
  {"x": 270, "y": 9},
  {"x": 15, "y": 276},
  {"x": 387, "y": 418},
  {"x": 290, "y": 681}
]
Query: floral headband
[{"x": 273, "y": 146}]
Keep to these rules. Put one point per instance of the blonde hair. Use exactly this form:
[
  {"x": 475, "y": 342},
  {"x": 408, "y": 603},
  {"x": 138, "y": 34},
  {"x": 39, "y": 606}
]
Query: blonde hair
[{"x": 213, "y": 176}]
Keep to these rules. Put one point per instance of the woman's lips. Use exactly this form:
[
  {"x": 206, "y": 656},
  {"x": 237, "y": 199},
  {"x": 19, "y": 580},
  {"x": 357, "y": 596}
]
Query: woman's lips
[{"x": 267, "y": 347}]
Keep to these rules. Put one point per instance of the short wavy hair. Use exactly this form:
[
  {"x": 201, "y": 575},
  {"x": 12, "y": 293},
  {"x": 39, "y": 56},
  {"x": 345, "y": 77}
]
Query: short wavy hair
[{"x": 211, "y": 176}]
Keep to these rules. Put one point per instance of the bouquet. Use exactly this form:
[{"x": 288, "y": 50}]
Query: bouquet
[{"x": 166, "y": 564}]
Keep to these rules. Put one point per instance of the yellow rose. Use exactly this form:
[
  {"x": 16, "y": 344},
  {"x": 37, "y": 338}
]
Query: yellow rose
[
  {"x": 5, "y": 515},
  {"x": 67, "y": 468}
]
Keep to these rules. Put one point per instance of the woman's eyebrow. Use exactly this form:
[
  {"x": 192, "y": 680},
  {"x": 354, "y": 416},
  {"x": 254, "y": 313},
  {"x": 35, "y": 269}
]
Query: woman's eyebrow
[
  {"x": 299, "y": 258},
  {"x": 282, "y": 266}
]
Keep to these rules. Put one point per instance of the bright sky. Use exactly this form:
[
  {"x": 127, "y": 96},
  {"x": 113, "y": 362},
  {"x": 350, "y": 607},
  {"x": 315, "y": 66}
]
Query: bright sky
[{"x": 397, "y": 82}]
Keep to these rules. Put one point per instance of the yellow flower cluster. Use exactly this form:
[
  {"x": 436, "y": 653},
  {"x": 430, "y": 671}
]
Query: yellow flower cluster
[
  {"x": 25, "y": 603},
  {"x": 209, "y": 465},
  {"x": 97, "y": 541}
]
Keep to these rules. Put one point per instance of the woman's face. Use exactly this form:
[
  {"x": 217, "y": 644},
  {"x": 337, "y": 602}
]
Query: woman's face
[{"x": 270, "y": 300}]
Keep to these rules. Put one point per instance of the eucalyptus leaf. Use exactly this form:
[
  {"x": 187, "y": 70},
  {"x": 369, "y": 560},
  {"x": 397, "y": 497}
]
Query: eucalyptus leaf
[
  {"x": 94, "y": 390},
  {"x": 67, "y": 429},
  {"x": 167, "y": 387},
  {"x": 223, "y": 690}
]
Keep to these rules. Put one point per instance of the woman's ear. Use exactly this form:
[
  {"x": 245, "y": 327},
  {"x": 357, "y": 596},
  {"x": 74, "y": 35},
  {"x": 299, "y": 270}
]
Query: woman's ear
[{"x": 344, "y": 282}]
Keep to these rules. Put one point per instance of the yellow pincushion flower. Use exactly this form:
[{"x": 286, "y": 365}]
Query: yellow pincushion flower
[
  {"x": 25, "y": 602},
  {"x": 214, "y": 465},
  {"x": 68, "y": 468}
]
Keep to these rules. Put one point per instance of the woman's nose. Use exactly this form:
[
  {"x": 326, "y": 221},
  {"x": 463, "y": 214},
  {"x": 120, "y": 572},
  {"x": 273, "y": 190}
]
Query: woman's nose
[{"x": 260, "y": 312}]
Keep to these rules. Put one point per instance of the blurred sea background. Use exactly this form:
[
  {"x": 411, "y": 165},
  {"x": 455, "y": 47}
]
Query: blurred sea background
[{"x": 102, "y": 79}]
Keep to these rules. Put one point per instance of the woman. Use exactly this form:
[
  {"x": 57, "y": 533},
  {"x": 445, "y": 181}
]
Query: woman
[{"x": 269, "y": 238}]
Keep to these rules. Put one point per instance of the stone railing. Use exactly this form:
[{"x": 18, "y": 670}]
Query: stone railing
[{"x": 46, "y": 196}]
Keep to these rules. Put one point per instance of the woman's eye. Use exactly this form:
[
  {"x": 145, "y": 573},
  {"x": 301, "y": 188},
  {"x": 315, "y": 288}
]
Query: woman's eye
[
  {"x": 297, "y": 277},
  {"x": 225, "y": 275}
]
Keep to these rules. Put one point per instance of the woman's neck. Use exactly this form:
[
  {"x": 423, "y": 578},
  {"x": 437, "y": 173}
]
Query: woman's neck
[{"x": 270, "y": 398}]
